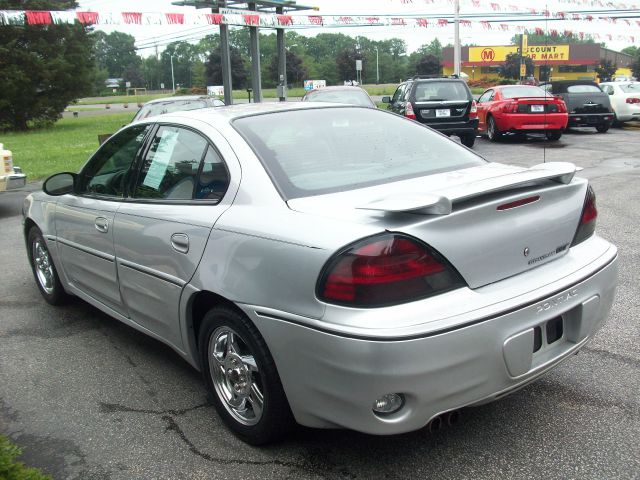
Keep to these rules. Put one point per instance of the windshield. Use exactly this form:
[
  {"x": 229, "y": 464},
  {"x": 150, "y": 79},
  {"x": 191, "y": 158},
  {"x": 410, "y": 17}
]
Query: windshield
[
  {"x": 326, "y": 150},
  {"x": 440, "y": 91},
  {"x": 350, "y": 97},
  {"x": 631, "y": 88},
  {"x": 523, "y": 91}
]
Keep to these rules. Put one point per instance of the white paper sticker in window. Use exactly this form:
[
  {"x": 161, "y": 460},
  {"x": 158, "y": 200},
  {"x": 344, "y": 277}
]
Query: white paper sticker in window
[{"x": 161, "y": 158}]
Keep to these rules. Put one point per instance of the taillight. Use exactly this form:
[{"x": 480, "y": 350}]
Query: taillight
[
  {"x": 473, "y": 113},
  {"x": 587, "y": 225},
  {"x": 511, "y": 107},
  {"x": 409, "y": 113},
  {"x": 562, "y": 107},
  {"x": 384, "y": 270},
  {"x": 632, "y": 100}
]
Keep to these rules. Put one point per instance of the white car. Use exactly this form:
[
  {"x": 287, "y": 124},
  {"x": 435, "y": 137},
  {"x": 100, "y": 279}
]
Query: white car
[
  {"x": 625, "y": 99},
  {"x": 11, "y": 177}
]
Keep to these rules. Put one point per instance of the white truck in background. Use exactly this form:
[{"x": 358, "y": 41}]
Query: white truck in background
[{"x": 11, "y": 177}]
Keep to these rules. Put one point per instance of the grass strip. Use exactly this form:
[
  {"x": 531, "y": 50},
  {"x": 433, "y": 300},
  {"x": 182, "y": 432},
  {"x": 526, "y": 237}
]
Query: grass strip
[{"x": 64, "y": 147}]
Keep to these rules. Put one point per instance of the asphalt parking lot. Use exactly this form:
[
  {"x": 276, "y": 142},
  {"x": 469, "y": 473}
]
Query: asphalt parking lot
[{"x": 90, "y": 398}]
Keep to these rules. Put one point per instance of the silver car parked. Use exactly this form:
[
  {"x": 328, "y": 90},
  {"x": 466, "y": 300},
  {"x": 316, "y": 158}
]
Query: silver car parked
[{"x": 334, "y": 265}]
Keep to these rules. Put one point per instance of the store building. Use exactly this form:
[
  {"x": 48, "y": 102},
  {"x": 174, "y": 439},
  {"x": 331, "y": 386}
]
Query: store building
[{"x": 558, "y": 62}]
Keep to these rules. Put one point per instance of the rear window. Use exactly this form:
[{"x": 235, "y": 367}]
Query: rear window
[
  {"x": 440, "y": 91},
  {"x": 583, "y": 89},
  {"x": 350, "y": 97},
  {"x": 631, "y": 88},
  {"x": 326, "y": 150},
  {"x": 528, "y": 91}
]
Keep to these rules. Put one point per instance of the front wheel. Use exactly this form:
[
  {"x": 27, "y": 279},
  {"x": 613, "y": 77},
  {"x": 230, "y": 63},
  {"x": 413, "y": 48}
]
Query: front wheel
[
  {"x": 468, "y": 139},
  {"x": 242, "y": 377},
  {"x": 44, "y": 270},
  {"x": 602, "y": 128},
  {"x": 553, "y": 136},
  {"x": 492, "y": 130}
]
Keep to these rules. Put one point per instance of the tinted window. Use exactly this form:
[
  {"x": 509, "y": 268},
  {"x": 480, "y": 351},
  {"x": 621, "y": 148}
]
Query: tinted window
[
  {"x": 171, "y": 165},
  {"x": 213, "y": 180},
  {"x": 440, "y": 91},
  {"x": 310, "y": 152},
  {"x": 350, "y": 97},
  {"x": 522, "y": 91},
  {"x": 108, "y": 171},
  {"x": 583, "y": 89},
  {"x": 398, "y": 93},
  {"x": 631, "y": 88}
]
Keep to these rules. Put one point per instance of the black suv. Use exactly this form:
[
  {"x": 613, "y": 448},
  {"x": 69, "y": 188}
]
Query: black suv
[
  {"x": 443, "y": 103},
  {"x": 587, "y": 104}
]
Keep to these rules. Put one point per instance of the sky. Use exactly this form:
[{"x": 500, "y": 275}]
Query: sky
[{"x": 414, "y": 37}]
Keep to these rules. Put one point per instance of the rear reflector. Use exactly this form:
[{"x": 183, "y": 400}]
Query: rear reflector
[
  {"x": 473, "y": 113},
  {"x": 384, "y": 270},
  {"x": 519, "y": 203}
]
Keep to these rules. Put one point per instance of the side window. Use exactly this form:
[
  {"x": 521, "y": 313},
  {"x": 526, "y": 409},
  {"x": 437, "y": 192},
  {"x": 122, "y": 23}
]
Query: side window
[
  {"x": 398, "y": 93},
  {"x": 170, "y": 167},
  {"x": 107, "y": 172},
  {"x": 213, "y": 180},
  {"x": 486, "y": 96}
]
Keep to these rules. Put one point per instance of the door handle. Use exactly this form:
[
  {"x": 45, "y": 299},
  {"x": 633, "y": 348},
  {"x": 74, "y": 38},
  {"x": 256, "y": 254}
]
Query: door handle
[
  {"x": 180, "y": 242},
  {"x": 102, "y": 224}
]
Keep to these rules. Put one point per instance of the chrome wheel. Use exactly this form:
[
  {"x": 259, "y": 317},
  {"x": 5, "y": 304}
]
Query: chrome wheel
[
  {"x": 44, "y": 267},
  {"x": 492, "y": 129},
  {"x": 235, "y": 375}
]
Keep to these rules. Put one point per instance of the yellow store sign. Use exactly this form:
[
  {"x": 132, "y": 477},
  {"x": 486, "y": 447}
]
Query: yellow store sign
[{"x": 536, "y": 52}]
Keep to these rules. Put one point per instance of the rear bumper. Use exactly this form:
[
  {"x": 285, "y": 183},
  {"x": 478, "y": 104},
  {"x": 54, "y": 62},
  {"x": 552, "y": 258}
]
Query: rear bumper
[
  {"x": 13, "y": 181},
  {"x": 531, "y": 122},
  {"x": 331, "y": 380},
  {"x": 455, "y": 128},
  {"x": 590, "y": 119}
]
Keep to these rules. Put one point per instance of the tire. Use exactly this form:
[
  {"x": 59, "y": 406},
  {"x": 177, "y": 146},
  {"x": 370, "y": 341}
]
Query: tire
[
  {"x": 242, "y": 378},
  {"x": 493, "y": 134},
  {"x": 468, "y": 140},
  {"x": 553, "y": 136},
  {"x": 44, "y": 271},
  {"x": 602, "y": 128}
]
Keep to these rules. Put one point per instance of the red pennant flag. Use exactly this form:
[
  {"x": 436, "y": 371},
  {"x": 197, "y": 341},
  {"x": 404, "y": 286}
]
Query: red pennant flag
[
  {"x": 213, "y": 18},
  {"x": 38, "y": 18},
  {"x": 132, "y": 17},
  {"x": 422, "y": 22},
  {"x": 315, "y": 20},
  {"x": 398, "y": 21},
  {"x": 285, "y": 20},
  {"x": 443, "y": 22},
  {"x": 373, "y": 20},
  {"x": 87, "y": 18},
  {"x": 175, "y": 18},
  {"x": 251, "y": 20},
  {"x": 345, "y": 20}
]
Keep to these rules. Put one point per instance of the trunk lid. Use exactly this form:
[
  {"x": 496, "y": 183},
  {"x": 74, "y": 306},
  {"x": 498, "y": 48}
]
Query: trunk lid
[
  {"x": 458, "y": 213},
  {"x": 442, "y": 111},
  {"x": 588, "y": 102}
]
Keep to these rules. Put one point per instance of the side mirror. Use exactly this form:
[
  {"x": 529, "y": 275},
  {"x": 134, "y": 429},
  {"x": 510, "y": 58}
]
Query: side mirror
[
  {"x": 386, "y": 99},
  {"x": 60, "y": 184}
]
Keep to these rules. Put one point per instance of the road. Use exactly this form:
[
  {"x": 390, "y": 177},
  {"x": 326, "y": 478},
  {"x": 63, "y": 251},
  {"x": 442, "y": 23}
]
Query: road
[{"x": 89, "y": 398}]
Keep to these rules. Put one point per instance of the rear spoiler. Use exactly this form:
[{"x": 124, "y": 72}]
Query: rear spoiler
[{"x": 439, "y": 202}]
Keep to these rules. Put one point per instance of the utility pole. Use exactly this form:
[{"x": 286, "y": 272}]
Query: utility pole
[
  {"x": 377, "y": 67},
  {"x": 254, "y": 46},
  {"x": 456, "y": 44},
  {"x": 282, "y": 60},
  {"x": 173, "y": 79}
]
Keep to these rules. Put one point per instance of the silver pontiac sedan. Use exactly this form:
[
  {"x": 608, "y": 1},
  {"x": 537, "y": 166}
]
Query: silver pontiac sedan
[{"x": 330, "y": 265}]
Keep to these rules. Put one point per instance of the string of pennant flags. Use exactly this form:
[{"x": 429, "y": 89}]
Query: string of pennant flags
[
  {"x": 514, "y": 8},
  {"x": 265, "y": 20}
]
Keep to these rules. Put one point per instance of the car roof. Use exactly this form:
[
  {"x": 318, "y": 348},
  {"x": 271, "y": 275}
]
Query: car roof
[
  {"x": 231, "y": 112},
  {"x": 572, "y": 82},
  {"x": 338, "y": 87},
  {"x": 180, "y": 98}
]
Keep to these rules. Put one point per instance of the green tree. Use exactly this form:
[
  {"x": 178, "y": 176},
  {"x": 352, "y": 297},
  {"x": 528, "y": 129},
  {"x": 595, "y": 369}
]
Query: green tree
[
  {"x": 605, "y": 70},
  {"x": 511, "y": 67},
  {"x": 296, "y": 71},
  {"x": 346, "y": 63},
  {"x": 42, "y": 67},
  {"x": 115, "y": 52},
  {"x": 428, "y": 65},
  {"x": 238, "y": 69}
]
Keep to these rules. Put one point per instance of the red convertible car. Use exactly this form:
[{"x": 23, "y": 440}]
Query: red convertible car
[{"x": 521, "y": 109}]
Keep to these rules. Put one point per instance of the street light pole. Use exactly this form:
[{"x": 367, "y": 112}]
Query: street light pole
[
  {"x": 377, "y": 67},
  {"x": 456, "y": 44},
  {"x": 173, "y": 80}
]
